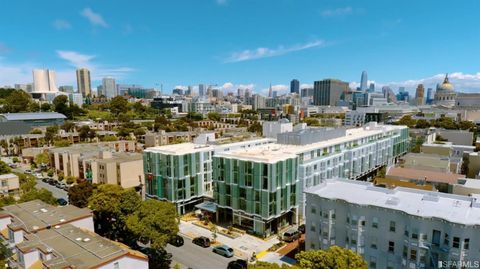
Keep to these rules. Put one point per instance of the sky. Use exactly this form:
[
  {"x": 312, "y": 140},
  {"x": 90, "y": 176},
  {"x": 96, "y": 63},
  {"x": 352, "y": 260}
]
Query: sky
[{"x": 243, "y": 43}]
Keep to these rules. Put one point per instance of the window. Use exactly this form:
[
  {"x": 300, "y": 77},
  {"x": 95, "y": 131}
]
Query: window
[
  {"x": 414, "y": 235},
  {"x": 456, "y": 242},
  {"x": 374, "y": 243},
  {"x": 373, "y": 262},
  {"x": 389, "y": 265},
  {"x": 362, "y": 223},
  {"x": 375, "y": 223},
  {"x": 391, "y": 246},
  {"x": 424, "y": 237},
  {"x": 466, "y": 243},
  {"x": 392, "y": 226},
  {"x": 116, "y": 265},
  {"x": 313, "y": 210},
  {"x": 312, "y": 227},
  {"x": 413, "y": 254},
  {"x": 446, "y": 240},
  {"x": 405, "y": 252}
]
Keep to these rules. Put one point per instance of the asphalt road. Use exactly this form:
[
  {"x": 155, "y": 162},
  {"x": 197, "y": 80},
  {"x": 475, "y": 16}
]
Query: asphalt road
[
  {"x": 56, "y": 192},
  {"x": 196, "y": 257}
]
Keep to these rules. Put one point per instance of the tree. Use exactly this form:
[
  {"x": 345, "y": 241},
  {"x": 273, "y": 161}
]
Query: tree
[
  {"x": 194, "y": 116},
  {"x": 41, "y": 194},
  {"x": 422, "y": 124},
  {"x": 60, "y": 105},
  {"x": 27, "y": 182},
  {"x": 118, "y": 105},
  {"x": 333, "y": 258},
  {"x": 155, "y": 222},
  {"x": 111, "y": 205},
  {"x": 70, "y": 179},
  {"x": 4, "y": 168},
  {"x": 84, "y": 131},
  {"x": 407, "y": 120},
  {"x": 68, "y": 126},
  {"x": 17, "y": 101},
  {"x": 79, "y": 194},
  {"x": 311, "y": 121},
  {"x": 215, "y": 116},
  {"x": 42, "y": 158},
  {"x": 256, "y": 127},
  {"x": 51, "y": 133},
  {"x": 36, "y": 131},
  {"x": 109, "y": 138},
  {"x": 62, "y": 143},
  {"x": 46, "y": 107}
]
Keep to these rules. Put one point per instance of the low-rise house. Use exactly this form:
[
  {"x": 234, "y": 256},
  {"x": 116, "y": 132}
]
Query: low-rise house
[
  {"x": 440, "y": 180},
  {"x": 9, "y": 184},
  {"x": 431, "y": 162}
]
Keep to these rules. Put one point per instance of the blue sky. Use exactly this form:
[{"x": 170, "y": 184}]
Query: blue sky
[{"x": 243, "y": 43}]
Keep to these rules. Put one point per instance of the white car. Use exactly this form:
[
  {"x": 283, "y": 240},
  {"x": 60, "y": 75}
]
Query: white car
[{"x": 38, "y": 175}]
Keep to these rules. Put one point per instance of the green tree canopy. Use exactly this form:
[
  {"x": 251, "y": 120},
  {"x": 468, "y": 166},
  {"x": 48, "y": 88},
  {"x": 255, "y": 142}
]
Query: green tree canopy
[
  {"x": 333, "y": 258},
  {"x": 215, "y": 116},
  {"x": 155, "y": 222},
  {"x": 4, "y": 168},
  {"x": 118, "y": 105},
  {"x": 79, "y": 194},
  {"x": 17, "y": 101},
  {"x": 407, "y": 120},
  {"x": 266, "y": 265},
  {"x": 41, "y": 194},
  {"x": 60, "y": 104},
  {"x": 42, "y": 158}
]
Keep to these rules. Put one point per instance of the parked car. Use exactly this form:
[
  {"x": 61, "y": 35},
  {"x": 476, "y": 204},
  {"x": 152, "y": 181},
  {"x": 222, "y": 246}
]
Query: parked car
[
  {"x": 301, "y": 228},
  {"x": 13, "y": 165},
  {"x": 238, "y": 264},
  {"x": 37, "y": 175},
  {"x": 177, "y": 241},
  {"x": 201, "y": 241},
  {"x": 45, "y": 179},
  {"x": 61, "y": 185},
  {"x": 291, "y": 235},
  {"x": 62, "y": 201},
  {"x": 224, "y": 250},
  {"x": 57, "y": 183},
  {"x": 51, "y": 181},
  {"x": 28, "y": 171}
]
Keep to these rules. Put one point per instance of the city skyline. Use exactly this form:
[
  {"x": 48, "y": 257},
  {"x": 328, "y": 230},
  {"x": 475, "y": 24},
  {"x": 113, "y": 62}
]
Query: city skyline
[{"x": 317, "y": 42}]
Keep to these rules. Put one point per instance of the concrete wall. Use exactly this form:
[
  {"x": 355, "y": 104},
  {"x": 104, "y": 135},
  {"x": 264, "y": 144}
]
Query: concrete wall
[
  {"x": 126, "y": 262},
  {"x": 457, "y": 137},
  {"x": 85, "y": 223},
  {"x": 131, "y": 173}
]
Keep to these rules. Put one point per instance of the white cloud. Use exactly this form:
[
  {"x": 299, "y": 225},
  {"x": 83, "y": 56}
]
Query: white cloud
[
  {"x": 337, "y": 12},
  {"x": 76, "y": 59},
  {"x": 61, "y": 24},
  {"x": 94, "y": 18},
  {"x": 258, "y": 53},
  {"x": 305, "y": 86}
]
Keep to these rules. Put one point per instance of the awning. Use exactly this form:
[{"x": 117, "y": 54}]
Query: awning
[{"x": 207, "y": 206}]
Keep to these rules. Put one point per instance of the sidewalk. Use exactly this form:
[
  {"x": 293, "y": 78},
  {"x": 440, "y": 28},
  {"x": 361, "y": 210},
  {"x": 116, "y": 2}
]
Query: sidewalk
[{"x": 244, "y": 246}]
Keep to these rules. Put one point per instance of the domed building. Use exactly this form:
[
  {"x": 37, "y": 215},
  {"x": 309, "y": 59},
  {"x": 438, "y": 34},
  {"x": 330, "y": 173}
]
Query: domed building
[{"x": 445, "y": 94}]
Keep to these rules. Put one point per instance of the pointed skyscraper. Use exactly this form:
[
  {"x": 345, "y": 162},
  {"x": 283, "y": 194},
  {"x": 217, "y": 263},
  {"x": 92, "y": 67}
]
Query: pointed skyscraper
[
  {"x": 270, "y": 92},
  {"x": 364, "y": 81}
]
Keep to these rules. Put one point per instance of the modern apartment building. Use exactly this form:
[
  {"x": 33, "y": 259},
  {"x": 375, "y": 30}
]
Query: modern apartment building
[
  {"x": 182, "y": 173},
  {"x": 9, "y": 184},
  {"x": 394, "y": 228},
  {"x": 256, "y": 189},
  {"x": 84, "y": 84}
]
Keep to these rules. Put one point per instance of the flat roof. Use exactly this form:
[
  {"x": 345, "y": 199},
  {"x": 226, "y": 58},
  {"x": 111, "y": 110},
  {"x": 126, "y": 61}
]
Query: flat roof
[
  {"x": 265, "y": 154},
  {"x": 419, "y": 174},
  {"x": 8, "y": 176},
  {"x": 72, "y": 246},
  {"x": 33, "y": 116},
  {"x": 37, "y": 215},
  {"x": 426, "y": 204}
]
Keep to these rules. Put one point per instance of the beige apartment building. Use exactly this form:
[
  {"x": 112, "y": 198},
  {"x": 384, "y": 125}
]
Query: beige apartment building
[
  {"x": 9, "y": 184},
  {"x": 124, "y": 169}
]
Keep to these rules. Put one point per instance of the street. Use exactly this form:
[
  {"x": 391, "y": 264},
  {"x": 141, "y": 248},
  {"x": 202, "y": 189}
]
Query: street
[
  {"x": 196, "y": 257},
  {"x": 56, "y": 192}
]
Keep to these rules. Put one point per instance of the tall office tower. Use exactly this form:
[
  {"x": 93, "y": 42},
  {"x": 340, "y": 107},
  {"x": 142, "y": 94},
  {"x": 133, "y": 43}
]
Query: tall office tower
[
  {"x": 248, "y": 93},
  {"x": 258, "y": 101},
  {"x": 201, "y": 89},
  {"x": 372, "y": 87},
  {"x": 189, "y": 91},
  {"x": 270, "y": 93},
  {"x": 429, "y": 96},
  {"x": 84, "y": 84},
  {"x": 100, "y": 91},
  {"x": 295, "y": 86},
  {"x": 217, "y": 93},
  {"x": 240, "y": 93},
  {"x": 364, "y": 81},
  {"x": 109, "y": 87},
  {"x": 419, "y": 95},
  {"x": 44, "y": 81},
  {"x": 328, "y": 91}
]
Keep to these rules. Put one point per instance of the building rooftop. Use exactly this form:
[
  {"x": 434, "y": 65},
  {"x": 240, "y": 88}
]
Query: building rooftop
[
  {"x": 37, "y": 215},
  {"x": 122, "y": 157},
  {"x": 33, "y": 116},
  {"x": 73, "y": 247},
  {"x": 426, "y": 204},
  {"x": 8, "y": 176},
  {"x": 419, "y": 174},
  {"x": 264, "y": 154}
]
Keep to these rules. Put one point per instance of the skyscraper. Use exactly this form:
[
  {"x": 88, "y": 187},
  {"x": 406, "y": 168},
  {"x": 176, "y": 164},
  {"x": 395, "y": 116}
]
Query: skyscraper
[
  {"x": 240, "y": 93},
  {"x": 364, "y": 81},
  {"x": 419, "y": 95},
  {"x": 372, "y": 87},
  {"x": 44, "y": 81},
  {"x": 270, "y": 93},
  {"x": 109, "y": 87},
  {"x": 328, "y": 91},
  {"x": 84, "y": 84},
  {"x": 201, "y": 89},
  {"x": 429, "y": 96},
  {"x": 295, "y": 86}
]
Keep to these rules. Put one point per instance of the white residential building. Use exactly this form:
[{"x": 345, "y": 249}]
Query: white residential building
[
  {"x": 394, "y": 228},
  {"x": 272, "y": 128}
]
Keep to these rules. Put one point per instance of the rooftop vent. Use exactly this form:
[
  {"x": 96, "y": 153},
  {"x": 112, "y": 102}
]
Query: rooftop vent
[
  {"x": 78, "y": 239},
  {"x": 35, "y": 227},
  {"x": 393, "y": 201},
  {"x": 86, "y": 239},
  {"x": 57, "y": 226},
  {"x": 43, "y": 210},
  {"x": 430, "y": 197},
  {"x": 62, "y": 220}
]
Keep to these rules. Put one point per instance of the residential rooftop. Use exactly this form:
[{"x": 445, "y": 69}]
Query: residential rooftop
[
  {"x": 426, "y": 204},
  {"x": 8, "y": 176},
  {"x": 38, "y": 215},
  {"x": 424, "y": 175},
  {"x": 73, "y": 247}
]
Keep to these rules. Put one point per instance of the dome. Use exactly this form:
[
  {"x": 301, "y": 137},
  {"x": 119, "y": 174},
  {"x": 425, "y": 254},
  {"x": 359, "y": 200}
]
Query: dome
[{"x": 445, "y": 86}]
